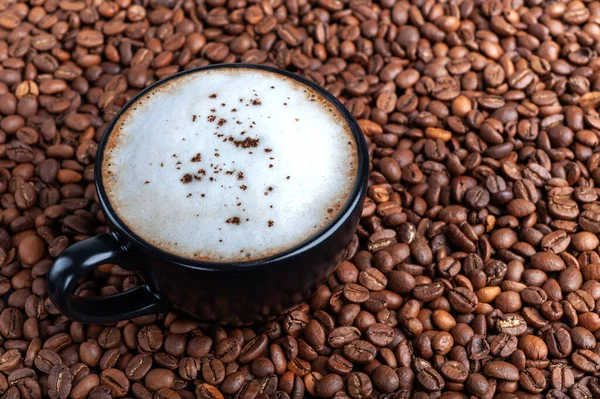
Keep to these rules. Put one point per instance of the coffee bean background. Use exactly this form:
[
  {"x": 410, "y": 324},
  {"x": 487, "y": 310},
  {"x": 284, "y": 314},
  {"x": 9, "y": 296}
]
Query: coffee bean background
[{"x": 475, "y": 272}]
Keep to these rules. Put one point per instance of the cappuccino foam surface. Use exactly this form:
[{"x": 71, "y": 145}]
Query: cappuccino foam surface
[{"x": 229, "y": 165}]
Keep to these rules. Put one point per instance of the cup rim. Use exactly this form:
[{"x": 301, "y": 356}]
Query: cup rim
[{"x": 353, "y": 201}]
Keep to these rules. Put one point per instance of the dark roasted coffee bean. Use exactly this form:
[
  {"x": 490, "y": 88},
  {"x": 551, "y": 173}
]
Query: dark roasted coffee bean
[
  {"x": 503, "y": 345},
  {"x": 454, "y": 371},
  {"x": 380, "y": 334},
  {"x": 228, "y": 350},
  {"x": 463, "y": 300},
  {"x": 329, "y": 385},
  {"x": 359, "y": 385},
  {"x": 385, "y": 379},
  {"x": 59, "y": 382},
  {"x": 341, "y": 336},
  {"x": 561, "y": 378},
  {"x": 46, "y": 360},
  {"x": 339, "y": 364},
  {"x": 360, "y": 351},
  {"x": 501, "y": 370},
  {"x": 430, "y": 379},
  {"x": 150, "y": 338},
  {"x": 253, "y": 348},
  {"x": 138, "y": 367},
  {"x": 206, "y": 391}
]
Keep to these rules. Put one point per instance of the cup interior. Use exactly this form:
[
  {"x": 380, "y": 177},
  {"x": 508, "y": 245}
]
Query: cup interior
[{"x": 352, "y": 202}]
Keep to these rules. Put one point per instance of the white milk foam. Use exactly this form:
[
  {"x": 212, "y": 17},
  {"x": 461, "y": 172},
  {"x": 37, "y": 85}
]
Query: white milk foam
[{"x": 229, "y": 165}]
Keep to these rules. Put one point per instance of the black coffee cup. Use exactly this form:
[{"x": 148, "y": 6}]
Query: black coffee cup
[{"x": 228, "y": 293}]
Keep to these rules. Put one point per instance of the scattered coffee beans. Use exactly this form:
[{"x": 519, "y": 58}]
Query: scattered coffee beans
[{"x": 475, "y": 272}]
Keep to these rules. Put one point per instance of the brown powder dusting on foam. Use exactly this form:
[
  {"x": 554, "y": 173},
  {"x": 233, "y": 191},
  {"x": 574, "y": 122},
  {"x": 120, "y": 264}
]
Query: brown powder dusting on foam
[
  {"x": 212, "y": 96},
  {"x": 221, "y": 122},
  {"x": 268, "y": 150},
  {"x": 240, "y": 176},
  {"x": 146, "y": 182},
  {"x": 244, "y": 187},
  {"x": 248, "y": 142},
  {"x": 211, "y": 118},
  {"x": 197, "y": 158},
  {"x": 256, "y": 101},
  {"x": 236, "y": 133},
  {"x": 185, "y": 179},
  {"x": 234, "y": 220},
  {"x": 193, "y": 118}
]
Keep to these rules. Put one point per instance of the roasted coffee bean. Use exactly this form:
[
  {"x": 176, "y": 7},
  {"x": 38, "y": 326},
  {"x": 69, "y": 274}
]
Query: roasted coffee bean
[
  {"x": 59, "y": 382},
  {"x": 501, "y": 370},
  {"x": 359, "y": 385},
  {"x": 46, "y": 360},
  {"x": 232, "y": 383},
  {"x": 380, "y": 334},
  {"x": 385, "y": 379},
  {"x": 430, "y": 379},
  {"x": 138, "y": 367},
  {"x": 463, "y": 300},
  {"x": 329, "y": 385},
  {"x": 360, "y": 351},
  {"x": 532, "y": 380},
  {"x": 561, "y": 378},
  {"x": 116, "y": 381},
  {"x": 341, "y": 336},
  {"x": 228, "y": 350},
  {"x": 253, "y": 348},
  {"x": 339, "y": 364},
  {"x": 150, "y": 338},
  {"x": 206, "y": 391},
  {"x": 454, "y": 371},
  {"x": 503, "y": 345}
]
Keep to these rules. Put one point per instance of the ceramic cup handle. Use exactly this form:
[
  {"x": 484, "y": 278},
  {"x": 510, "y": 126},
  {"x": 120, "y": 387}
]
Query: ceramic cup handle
[{"x": 83, "y": 257}]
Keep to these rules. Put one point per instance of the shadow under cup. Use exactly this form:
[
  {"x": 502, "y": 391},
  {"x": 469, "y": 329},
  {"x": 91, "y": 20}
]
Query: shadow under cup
[{"x": 225, "y": 293}]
